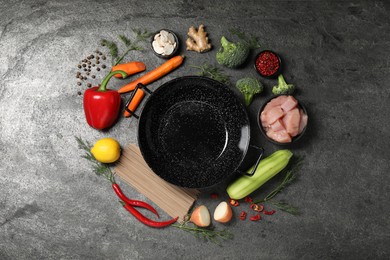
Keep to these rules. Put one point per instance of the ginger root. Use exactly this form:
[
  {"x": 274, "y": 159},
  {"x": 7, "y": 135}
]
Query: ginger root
[{"x": 198, "y": 40}]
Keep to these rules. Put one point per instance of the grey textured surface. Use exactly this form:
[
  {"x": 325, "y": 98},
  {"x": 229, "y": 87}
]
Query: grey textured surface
[{"x": 53, "y": 207}]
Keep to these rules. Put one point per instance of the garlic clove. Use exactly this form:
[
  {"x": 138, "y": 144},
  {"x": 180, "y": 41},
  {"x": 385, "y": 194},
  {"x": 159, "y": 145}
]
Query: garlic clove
[
  {"x": 157, "y": 48},
  {"x": 171, "y": 39},
  {"x": 168, "y": 49}
]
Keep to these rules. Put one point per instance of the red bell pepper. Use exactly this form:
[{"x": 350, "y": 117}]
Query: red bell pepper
[{"x": 101, "y": 105}]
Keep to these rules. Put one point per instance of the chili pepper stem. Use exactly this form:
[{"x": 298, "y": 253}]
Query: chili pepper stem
[{"x": 102, "y": 87}]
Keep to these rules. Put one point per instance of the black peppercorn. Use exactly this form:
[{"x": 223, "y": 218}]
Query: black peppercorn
[
  {"x": 79, "y": 93},
  {"x": 97, "y": 62},
  {"x": 79, "y": 66},
  {"x": 98, "y": 69},
  {"x": 103, "y": 57},
  {"x": 89, "y": 85},
  {"x": 103, "y": 66},
  {"x": 93, "y": 76},
  {"x": 79, "y": 83},
  {"x": 84, "y": 65}
]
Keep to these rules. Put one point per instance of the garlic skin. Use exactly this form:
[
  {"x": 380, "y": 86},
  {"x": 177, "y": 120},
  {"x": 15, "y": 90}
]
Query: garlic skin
[{"x": 164, "y": 43}]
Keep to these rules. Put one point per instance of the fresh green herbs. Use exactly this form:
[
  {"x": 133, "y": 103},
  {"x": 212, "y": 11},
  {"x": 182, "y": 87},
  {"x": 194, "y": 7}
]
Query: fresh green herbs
[
  {"x": 213, "y": 72},
  {"x": 101, "y": 169},
  {"x": 209, "y": 234},
  {"x": 140, "y": 36},
  {"x": 250, "y": 40},
  {"x": 290, "y": 176}
]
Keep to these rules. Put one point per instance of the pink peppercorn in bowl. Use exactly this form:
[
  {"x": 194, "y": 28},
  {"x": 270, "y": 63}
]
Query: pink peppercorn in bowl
[{"x": 268, "y": 64}]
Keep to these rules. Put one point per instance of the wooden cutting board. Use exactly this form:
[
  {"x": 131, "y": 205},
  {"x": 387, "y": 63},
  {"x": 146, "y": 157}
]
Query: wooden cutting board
[{"x": 133, "y": 170}]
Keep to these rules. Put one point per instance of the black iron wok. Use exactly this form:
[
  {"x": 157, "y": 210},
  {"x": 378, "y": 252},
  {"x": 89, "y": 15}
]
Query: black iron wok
[{"x": 193, "y": 132}]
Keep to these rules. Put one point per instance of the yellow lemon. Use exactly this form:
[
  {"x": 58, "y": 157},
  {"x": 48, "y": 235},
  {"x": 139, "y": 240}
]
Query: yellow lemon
[{"x": 106, "y": 150}]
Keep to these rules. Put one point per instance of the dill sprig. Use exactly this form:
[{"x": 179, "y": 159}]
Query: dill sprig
[
  {"x": 290, "y": 176},
  {"x": 284, "y": 206},
  {"x": 140, "y": 36},
  {"x": 251, "y": 40},
  {"x": 208, "y": 234},
  {"x": 100, "y": 169},
  {"x": 213, "y": 72},
  {"x": 112, "y": 47},
  {"x": 125, "y": 40}
]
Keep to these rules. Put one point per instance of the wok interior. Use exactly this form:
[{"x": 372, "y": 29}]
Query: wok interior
[{"x": 193, "y": 132}]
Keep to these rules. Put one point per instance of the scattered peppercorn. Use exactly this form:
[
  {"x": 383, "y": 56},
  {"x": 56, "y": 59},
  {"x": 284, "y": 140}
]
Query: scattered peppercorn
[
  {"x": 98, "y": 69},
  {"x": 79, "y": 66},
  {"x": 93, "y": 65},
  {"x": 84, "y": 65},
  {"x": 89, "y": 85},
  {"x": 103, "y": 57},
  {"x": 97, "y": 62},
  {"x": 88, "y": 73},
  {"x": 85, "y": 69},
  {"x": 79, "y": 93},
  {"x": 103, "y": 66},
  {"x": 93, "y": 76},
  {"x": 79, "y": 83}
]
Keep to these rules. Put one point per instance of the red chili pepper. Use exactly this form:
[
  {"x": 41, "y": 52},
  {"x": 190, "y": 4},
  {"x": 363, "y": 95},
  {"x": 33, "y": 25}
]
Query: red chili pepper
[
  {"x": 101, "y": 105},
  {"x": 135, "y": 203},
  {"x": 269, "y": 212},
  {"x": 255, "y": 217},
  {"x": 214, "y": 196},
  {"x": 145, "y": 220},
  {"x": 257, "y": 207},
  {"x": 243, "y": 215},
  {"x": 248, "y": 199},
  {"x": 234, "y": 203}
]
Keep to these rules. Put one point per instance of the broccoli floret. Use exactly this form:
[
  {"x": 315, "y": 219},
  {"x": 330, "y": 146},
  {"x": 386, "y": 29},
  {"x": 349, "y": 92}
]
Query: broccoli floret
[
  {"x": 283, "y": 88},
  {"x": 231, "y": 54},
  {"x": 249, "y": 87}
]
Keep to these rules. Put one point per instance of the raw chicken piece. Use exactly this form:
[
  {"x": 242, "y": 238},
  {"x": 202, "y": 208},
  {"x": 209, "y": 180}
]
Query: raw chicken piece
[
  {"x": 279, "y": 136},
  {"x": 275, "y": 102},
  {"x": 277, "y": 126},
  {"x": 289, "y": 104},
  {"x": 291, "y": 121},
  {"x": 303, "y": 122},
  {"x": 273, "y": 114},
  {"x": 263, "y": 120}
]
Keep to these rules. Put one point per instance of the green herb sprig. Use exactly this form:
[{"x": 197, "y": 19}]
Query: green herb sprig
[
  {"x": 140, "y": 36},
  {"x": 213, "y": 72},
  {"x": 100, "y": 169},
  {"x": 251, "y": 40},
  {"x": 290, "y": 176},
  {"x": 209, "y": 234}
]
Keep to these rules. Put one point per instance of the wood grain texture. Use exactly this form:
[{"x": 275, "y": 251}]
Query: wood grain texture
[{"x": 174, "y": 200}]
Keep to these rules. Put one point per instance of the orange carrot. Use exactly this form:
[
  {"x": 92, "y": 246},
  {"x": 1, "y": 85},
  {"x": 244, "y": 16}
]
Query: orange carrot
[
  {"x": 155, "y": 74},
  {"x": 130, "y": 68},
  {"x": 139, "y": 95}
]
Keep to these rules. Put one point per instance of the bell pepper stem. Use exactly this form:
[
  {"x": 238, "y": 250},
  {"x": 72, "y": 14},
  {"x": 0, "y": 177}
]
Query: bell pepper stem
[{"x": 102, "y": 87}]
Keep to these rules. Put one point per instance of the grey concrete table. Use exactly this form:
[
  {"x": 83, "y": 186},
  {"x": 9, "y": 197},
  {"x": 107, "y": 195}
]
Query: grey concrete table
[{"x": 337, "y": 53}]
